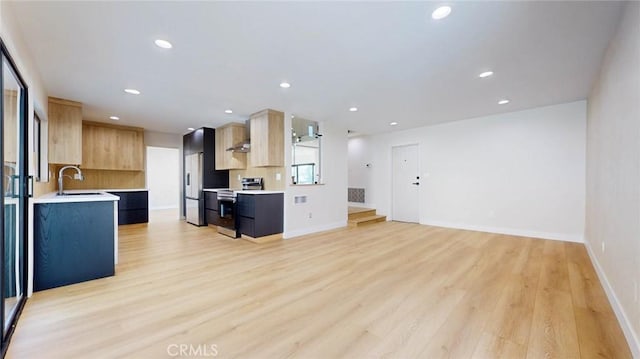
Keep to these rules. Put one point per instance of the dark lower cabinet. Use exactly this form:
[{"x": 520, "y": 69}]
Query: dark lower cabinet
[
  {"x": 73, "y": 242},
  {"x": 133, "y": 207},
  {"x": 211, "y": 208},
  {"x": 259, "y": 215}
]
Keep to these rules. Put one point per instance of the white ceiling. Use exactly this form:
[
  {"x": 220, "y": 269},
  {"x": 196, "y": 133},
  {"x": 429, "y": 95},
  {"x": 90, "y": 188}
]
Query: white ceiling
[{"x": 389, "y": 59}]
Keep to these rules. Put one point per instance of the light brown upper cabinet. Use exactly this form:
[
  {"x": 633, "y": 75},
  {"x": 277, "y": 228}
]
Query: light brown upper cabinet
[
  {"x": 228, "y": 136},
  {"x": 111, "y": 147},
  {"x": 267, "y": 138},
  {"x": 65, "y": 131}
]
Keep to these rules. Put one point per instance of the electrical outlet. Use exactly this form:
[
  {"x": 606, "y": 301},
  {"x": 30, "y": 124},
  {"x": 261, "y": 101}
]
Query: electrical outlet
[
  {"x": 239, "y": 178},
  {"x": 602, "y": 246},
  {"x": 278, "y": 176}
]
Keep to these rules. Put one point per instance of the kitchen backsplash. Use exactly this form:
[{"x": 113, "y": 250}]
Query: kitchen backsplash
[
  {"x": 96, "y": 179},
  {"x": 268, "y": 173},
  {"x": 40, "y": 188}
]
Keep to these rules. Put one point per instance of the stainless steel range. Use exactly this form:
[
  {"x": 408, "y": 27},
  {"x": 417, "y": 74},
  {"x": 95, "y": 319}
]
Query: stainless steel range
[
  {"x": 227, "y": 206},
  {"x": 226, "y": 209}
]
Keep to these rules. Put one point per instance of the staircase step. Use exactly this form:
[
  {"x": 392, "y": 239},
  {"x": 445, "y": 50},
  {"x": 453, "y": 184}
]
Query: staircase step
[
  {"x": 359, "y": 212},
  {"x": 366, "y": 220}
]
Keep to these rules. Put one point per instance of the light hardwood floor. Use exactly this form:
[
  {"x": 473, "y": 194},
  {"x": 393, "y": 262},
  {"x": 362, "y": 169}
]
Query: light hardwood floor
[{"x": 388, "y": 290}]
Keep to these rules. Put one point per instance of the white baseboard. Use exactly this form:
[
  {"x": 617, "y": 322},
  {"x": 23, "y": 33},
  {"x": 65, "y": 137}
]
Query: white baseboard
[
  {"x": 162, "y": 207},
  {"x": 510, "y": 231},
  {"x": 623, "y": 319},
  {"x": 311, "y": 230}
]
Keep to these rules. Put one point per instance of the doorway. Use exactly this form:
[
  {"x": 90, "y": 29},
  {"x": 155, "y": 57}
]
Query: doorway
[
  {"x": 163, "y": 178},
  {"x": 405, "y": 183}
]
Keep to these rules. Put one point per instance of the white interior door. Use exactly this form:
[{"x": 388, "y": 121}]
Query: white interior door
[{"x": 405, "y": 184}]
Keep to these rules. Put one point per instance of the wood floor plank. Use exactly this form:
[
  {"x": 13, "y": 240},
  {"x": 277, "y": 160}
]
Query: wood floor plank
[
  {"x": 599, "y": 331},
  {"x": 553, "y": 329},
  {"x": 389, "y": 290},
  {"x": 512, "y": 317},
  {"x": 493, "y": 346},
  {"x": 460, "y": 334}
]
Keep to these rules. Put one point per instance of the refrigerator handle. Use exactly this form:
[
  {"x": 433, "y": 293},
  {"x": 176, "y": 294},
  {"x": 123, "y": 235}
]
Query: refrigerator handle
[{"x": 188, "y": 179}]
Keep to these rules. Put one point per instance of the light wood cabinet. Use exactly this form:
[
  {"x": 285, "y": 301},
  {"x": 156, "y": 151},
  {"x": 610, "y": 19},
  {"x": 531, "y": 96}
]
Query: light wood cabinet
[
  {"x": 110, "y": 147},
  {"x": 65, "y": 131},
  {"x": 227, "y": 136},
  {"x": 267, "y": 138}
]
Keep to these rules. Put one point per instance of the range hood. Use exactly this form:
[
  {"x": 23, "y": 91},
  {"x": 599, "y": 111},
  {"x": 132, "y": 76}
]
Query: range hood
[{"x": 244, "y": 146}]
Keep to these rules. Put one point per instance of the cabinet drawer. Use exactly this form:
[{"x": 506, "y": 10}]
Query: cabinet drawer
[
  {"x": 246, "y": 205},
  {"x": 212, "y": 217},
  {"x": 130, "y": 216},
  {"x": 211, "y": 200},
  {"x": 247, "y": 226},
  {"x": 132, "y": 200}
]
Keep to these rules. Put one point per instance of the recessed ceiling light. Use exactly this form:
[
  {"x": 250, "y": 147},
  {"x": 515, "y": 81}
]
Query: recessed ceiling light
[
  {"x": 115, "y": 118},
  {"x": 441, "y": 12},
  {"x": 163, "y": 44},
  {"x": 353, "y": 109},
  {"x": 393, "y": 123},
  {"x": 285, "y": 85},
  {"x": 132, "y": 91},
  {"x": 190, "y": 128},
  {"x": 503, "y": 102},
  {"x": 485, "y": 74},
  {"x": 228, "y": 111}
]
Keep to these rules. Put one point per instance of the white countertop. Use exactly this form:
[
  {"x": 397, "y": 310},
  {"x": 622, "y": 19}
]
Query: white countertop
[
  {"x": 254, "y": 191},
  {"x": 118, "y": 190},
  {"x": 54, "y": 198}
]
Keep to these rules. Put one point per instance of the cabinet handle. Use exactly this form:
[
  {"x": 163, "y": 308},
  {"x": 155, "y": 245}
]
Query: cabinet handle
[
  {"x": 30, "y": 189},
  {"x": 15, "y": 186}
]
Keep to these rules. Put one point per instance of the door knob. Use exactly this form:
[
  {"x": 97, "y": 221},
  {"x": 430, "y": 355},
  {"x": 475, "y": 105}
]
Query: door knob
[{"x": 416, "y": 183}]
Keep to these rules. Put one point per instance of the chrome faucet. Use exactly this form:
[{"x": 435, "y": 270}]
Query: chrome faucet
[{"x": 77, "y": 176}]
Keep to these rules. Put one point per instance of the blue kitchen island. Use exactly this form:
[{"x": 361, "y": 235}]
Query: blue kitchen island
[{"x": 75, "y": 238}]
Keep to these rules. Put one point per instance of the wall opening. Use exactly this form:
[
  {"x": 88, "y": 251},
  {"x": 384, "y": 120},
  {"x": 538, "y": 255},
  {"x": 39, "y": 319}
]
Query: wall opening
[{"x": 163, "y": 178}]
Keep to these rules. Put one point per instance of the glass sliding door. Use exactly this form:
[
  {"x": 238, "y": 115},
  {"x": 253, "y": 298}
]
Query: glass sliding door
[{"x": 12, "y": 212}]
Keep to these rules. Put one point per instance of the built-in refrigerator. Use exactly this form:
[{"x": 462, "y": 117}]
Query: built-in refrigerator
[
  {"x": 194, "y": 205},
  {"x": 199, "y": 151}
]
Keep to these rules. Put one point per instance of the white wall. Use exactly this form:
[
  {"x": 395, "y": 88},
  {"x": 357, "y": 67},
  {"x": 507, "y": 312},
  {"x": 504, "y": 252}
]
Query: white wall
[
  {"x": 163, "y": 177},
  {"x": 161, "y": 139},
  {"x": 519, "y": 173},
  {"x": 327, "y": 202},
  {"x": 18, "y": 50},
  {"x": 613, "y": 174},
  {"x": 360, "y": 174}
]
